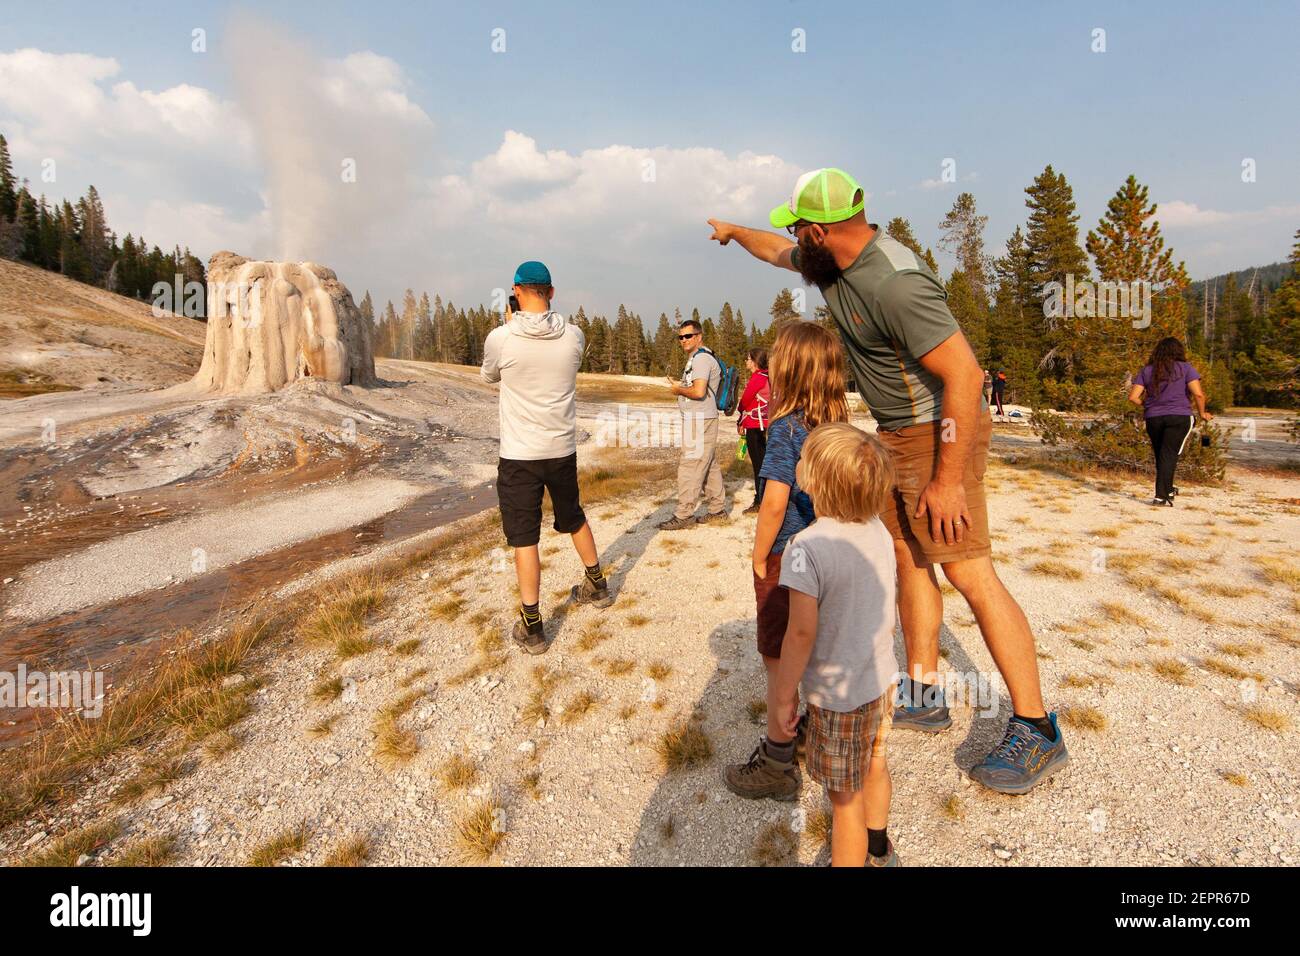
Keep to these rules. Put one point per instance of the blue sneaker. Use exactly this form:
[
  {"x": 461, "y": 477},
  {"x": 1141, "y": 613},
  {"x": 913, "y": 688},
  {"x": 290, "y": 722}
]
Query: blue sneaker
[
  {"x": 930, "y": 717},
  {"x": 1023, "y": 759}
]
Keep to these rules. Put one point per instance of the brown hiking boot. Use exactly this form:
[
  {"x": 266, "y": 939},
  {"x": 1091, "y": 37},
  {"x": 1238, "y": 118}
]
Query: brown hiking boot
[
  {"x": 761, "y": 776},
  {"x": 588, "y": 593},
  {"x": 532, "y": 640},
  {"x": 676, "y": 524},
  {"x": 751, "y": 510},
  {"x": 718, "y": 517}
]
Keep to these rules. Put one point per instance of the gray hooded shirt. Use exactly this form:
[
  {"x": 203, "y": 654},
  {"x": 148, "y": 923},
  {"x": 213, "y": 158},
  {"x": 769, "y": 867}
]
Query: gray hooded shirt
[{"x": 535, "y": 357}]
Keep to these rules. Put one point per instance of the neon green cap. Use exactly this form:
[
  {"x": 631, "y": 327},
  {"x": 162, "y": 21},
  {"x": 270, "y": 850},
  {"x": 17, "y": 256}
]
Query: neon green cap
[{"x": 824, "y": 195}]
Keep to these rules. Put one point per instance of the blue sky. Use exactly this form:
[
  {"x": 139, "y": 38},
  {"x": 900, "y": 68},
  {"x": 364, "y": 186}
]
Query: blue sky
[{"x": 186, "y": 147}]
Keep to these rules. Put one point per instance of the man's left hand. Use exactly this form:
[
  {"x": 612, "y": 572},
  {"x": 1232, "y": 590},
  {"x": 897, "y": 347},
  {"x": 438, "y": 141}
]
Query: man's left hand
[{"x": 946, "y": 506}]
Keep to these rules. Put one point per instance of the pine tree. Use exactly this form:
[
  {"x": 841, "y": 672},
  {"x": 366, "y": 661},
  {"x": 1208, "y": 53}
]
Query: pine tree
[
  {"x": 1052, "y": 246},
  {"x": 664, "y": 347},
  {"x": 94, "y": 235},
  {"x": 1127, "y": 248},
  {"x": 8, "y": 185},
  {"x": 731, "y": 339}
]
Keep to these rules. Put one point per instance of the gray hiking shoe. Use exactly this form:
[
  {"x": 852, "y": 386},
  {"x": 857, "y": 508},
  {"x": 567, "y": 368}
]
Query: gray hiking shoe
[
  {"x": 718, "y": 517},
  {"x": 588, "y": 593},
  {"x": 889, "y": 859},
  {"x": 761, "y": 776}
]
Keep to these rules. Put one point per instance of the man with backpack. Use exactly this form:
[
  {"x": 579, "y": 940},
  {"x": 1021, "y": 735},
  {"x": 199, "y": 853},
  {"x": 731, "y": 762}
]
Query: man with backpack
[{"x": 698, "y": 473}]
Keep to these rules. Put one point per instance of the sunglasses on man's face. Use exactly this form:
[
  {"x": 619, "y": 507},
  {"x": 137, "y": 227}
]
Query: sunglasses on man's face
[{"x": 688, "y": 335}]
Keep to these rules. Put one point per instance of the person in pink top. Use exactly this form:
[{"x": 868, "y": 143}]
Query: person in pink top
[{"x": 753, "y": 418}]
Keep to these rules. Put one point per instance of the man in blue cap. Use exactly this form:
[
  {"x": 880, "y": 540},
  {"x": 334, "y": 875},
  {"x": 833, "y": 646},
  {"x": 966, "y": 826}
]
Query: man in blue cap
[{"x": 535, "y": 356}]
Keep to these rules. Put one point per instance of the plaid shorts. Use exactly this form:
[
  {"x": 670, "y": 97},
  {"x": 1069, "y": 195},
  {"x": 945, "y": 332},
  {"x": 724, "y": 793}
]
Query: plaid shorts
[{"x": 841, "y": 745}]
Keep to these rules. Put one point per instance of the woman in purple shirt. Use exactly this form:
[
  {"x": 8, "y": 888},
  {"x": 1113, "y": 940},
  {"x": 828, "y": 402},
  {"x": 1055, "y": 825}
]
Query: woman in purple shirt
[{"x": 1166, "y": 389}]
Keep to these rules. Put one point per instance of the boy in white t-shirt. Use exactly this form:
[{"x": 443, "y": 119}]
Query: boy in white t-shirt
[{"x": 839, "y": 643}]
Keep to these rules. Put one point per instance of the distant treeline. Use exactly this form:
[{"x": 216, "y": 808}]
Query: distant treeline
[
  {"x": 74, "y": 240},
  {"x": 442, "y": 333}
]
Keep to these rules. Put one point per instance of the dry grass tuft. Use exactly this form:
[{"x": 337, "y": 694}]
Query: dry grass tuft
[
  {"x": 353, "y": 851},
  {"x": 1056, "y": 569},
  {"x": 1278, "y": 570},
  {"x": 659, "y": 670},
  {"x": 67, "y": 849},
  {"x": 818, "y": 827},
  {"x": 532, "y": 784},
  {"x": 147, "y": 851},
  {"x": 322, "y": 727},
  {"x": 775, "y": 846},
  {"x": 479, "y": 831},
  {"x": 152, "y": 777},
  {"x": 1173, "y": 670},
  {"x": 592, "y": 636},
  {"x": 338, "y": 618},
  {"x": 407, "y": 648},
  {"x": 1236, "y": 779},
  {"x": 619, "y": 667},
  {"x": 757, "y": 710},
  {"x": 327, "y": 689},
  {"x": 684, "y": 746},
  {"x": 280, "y": 847},
  {"x": 1118, "y": 613},
  {"x": 1084, "y": 717},
  {"x": 1241, "y": 649},
  {"x": 952, "y": 808},
  {"x": 1081, "y": 681},
  {"x": 457, "y": 772},
  {"x": 579, "y": 705},
  {"x": 1267, "y": 718}
]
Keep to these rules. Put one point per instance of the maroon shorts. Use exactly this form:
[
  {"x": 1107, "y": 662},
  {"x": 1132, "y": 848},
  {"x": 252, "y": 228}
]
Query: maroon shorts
[{"x": 773, "y": 608}]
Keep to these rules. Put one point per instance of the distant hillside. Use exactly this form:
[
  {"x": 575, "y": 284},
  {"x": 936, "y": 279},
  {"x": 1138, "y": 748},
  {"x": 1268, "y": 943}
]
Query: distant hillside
[
  {"x": 1262, "y": 281},
  {"x": 57, "y": 333}
]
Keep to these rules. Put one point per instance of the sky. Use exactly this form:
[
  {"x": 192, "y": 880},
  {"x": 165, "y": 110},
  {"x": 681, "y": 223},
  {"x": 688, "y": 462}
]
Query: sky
[{"x": 435, "y": 146}]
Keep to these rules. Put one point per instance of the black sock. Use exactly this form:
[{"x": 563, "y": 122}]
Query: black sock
[
  {"x": 877, "y": 841},
  {"x": 595, "y": 575},
  {"x": 1041, "y": 724},
  {"x": 779, "y": 750},
  {"x": 530, "y": 614}
]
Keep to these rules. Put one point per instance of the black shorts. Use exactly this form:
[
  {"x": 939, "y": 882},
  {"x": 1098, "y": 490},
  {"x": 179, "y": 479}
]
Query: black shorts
[{"x": 519, "y": 493}]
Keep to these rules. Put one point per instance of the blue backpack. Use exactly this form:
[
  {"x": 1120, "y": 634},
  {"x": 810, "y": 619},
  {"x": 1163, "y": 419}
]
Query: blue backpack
[{"x": 728, "y": 394}]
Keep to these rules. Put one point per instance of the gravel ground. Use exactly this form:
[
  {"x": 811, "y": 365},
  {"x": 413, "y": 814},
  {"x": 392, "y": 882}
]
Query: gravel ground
[{"x": 1173, "y": 773}]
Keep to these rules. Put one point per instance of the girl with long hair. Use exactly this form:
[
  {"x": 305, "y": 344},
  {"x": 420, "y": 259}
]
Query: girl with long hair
[
  {"x": 806, "y": 369},
  {"x": 1166, "y": 388}
]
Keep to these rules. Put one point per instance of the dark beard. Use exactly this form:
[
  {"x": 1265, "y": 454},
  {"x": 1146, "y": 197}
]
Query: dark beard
[{"x": 816, "y": 263}]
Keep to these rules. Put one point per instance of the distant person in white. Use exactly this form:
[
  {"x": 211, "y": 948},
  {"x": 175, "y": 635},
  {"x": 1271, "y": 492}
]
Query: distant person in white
[{"x": 535, "y": 356}]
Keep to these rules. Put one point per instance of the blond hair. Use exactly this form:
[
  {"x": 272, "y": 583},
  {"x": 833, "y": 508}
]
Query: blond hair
[
  {"x": 806, "y": 368},
  {"x": 848, "y": 474}
]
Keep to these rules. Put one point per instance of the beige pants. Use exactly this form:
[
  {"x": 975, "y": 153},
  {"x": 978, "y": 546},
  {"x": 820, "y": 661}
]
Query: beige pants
[{"x": 698, "y": 473}]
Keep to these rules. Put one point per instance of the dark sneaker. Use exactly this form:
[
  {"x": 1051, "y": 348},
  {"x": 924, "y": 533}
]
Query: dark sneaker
[
  {"x": 889, "y": 859},
  {"x": 588, "y": 593},
  {"x": 1162, "y": 502},
  {"x": 1023, "y": 759},
  {"x": 718, "y": 517},
  {"x": 931, "y": 716},
  {"x": 1173, "y": 492},
  {"x": 530, "y": 639},
  {"x": 761, "y": 776},
  {"x": 676, "y": 524},
  {"x": 751, "y": 510}
]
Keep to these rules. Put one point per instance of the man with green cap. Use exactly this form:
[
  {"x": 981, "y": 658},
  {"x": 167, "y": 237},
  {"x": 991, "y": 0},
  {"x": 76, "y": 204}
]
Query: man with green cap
[{"x": 919, "y": 377}]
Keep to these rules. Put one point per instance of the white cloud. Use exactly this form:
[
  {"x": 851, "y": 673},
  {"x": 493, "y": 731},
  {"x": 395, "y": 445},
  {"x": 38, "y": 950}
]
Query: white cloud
[
  {"x": 1179, "y": 214},
  {"x": 259, "y": 173}
]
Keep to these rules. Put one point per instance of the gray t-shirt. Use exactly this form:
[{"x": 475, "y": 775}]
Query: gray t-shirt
[
  {"x": 701, "y": 365},
  {"x": 849, "y": 568}
]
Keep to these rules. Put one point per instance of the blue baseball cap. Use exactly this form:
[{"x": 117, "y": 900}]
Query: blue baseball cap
[{"x": 532, "y": 273}]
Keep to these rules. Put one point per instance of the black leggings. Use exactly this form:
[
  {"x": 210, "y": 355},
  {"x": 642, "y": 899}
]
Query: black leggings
[
  {"x": 756, "y": 442},
  {"x": 1168, "y": 434}
]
